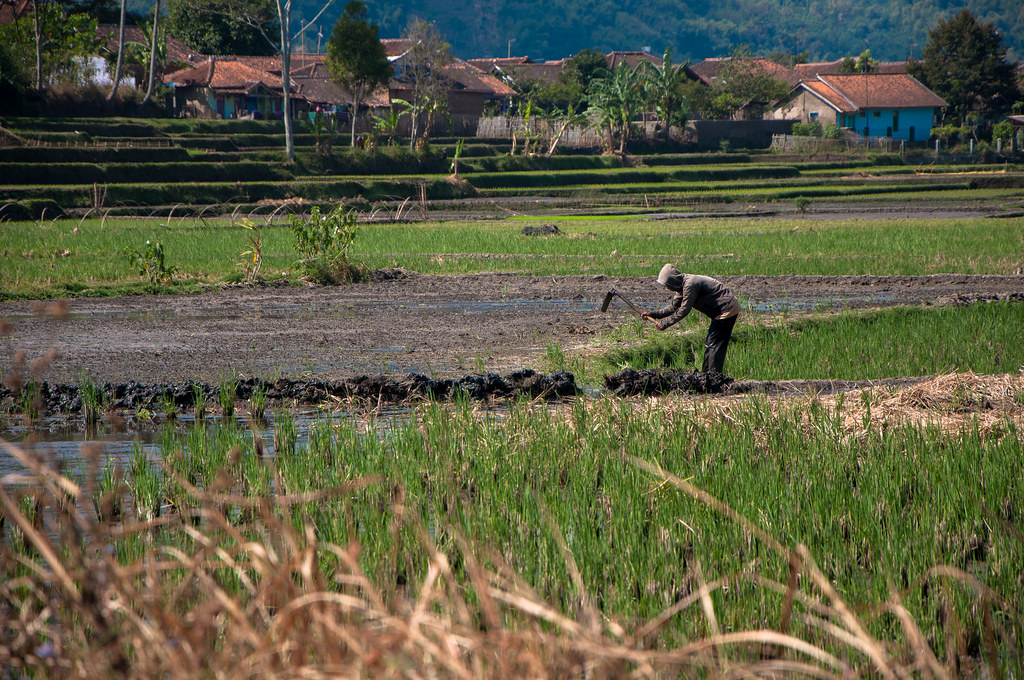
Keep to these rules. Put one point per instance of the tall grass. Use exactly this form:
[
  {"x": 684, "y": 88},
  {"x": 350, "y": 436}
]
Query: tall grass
[
  {"x": 908, "y": 341},
  {"x": 613, "y": 536}
]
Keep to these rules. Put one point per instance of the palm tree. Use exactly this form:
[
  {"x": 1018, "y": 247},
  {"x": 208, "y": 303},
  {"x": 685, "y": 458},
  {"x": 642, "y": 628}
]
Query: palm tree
[{"x": 664, "y": 84}]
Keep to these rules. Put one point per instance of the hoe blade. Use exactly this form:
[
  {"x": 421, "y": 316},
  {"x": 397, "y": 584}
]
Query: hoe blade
[{"x": 607, "y": 300}]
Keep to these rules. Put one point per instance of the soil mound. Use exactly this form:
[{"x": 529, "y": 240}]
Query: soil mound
[
  {"x": 542, "y": 230},
  {"x": 67, "y": 398},
  {"x": 631, "y": 382}
]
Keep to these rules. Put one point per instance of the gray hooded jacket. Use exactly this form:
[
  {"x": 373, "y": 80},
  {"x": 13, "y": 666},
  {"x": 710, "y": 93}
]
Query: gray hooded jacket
[{"x": 703, "y": 293}]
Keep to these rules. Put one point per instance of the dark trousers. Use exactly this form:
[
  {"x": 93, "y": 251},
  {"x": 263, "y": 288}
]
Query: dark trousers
[{"x": 716, "y": 342}]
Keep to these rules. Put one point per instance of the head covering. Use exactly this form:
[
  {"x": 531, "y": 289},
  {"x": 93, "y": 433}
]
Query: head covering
[{"x": 670, "y": 277}]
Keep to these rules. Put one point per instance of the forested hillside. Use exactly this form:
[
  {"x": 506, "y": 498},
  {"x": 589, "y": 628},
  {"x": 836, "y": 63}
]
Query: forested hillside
[{"x": 551, "y": 29}]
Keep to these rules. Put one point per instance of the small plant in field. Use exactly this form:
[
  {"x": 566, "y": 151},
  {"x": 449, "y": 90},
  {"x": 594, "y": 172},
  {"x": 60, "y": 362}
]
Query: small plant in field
[
  {"x": 801, "y": 203},
  {"x": 555, "y": 355},
  {"x": 455, "y": 160},
  {"x": 324, "y": 242},
  {"x": 258, "y": 401},
  {"x": 168, "y": 406},
  {"x": 151, "y": 262},
  {"x": 226, "y": 392},
  {"x": 199, "y": 402},
  {"x": 252, "y": 259},
  {"x": 480, "y": 364},
  {"x": 92, "y": 399}
]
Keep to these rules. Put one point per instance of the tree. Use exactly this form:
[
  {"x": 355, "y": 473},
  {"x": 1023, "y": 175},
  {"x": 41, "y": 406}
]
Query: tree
[
  {"x": 153, "y": 52},
  {"x": 423, "y": 68},
  {"x": 862, "y": 64},
  {"x": 617, "y": 95},
  {"x": 51, "y": 42},
  {"x": 965, "y": 64},
  {"x": 225, "y": 27},
  {"x": 743, "y": 80},
  {"x": 665, "y": 85},
  {"x": 120, "y": 54},
  {"x": 356, "y": 57}
]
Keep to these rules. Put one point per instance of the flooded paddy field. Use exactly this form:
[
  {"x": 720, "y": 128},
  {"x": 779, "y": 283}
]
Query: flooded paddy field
[{"x": 443, "y": 326}]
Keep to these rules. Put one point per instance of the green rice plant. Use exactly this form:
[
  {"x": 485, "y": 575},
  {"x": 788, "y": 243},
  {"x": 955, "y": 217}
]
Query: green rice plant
[
  {"x": 850, "y": 345},
  {"x": 145, "y": 486},
  {"x": 258, "y": 401},
  {"x": 199, "y": 403},
  {"x": 286, "y": 435},
  {"x": 226, "y": 391},
  {"x": 168, "y": 406},
  {"x": 92, "y": 399}
]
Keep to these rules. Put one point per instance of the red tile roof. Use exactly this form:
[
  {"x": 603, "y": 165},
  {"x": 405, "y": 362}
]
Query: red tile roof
[
  {"x": 224, "y": 74},
  {"x": 811, "y": 69},
  {"x": 853, "y": 92},
  {"x": 707, "y": 70}
]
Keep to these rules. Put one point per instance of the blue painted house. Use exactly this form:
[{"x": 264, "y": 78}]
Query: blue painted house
[{"x": 893, "y": 105}]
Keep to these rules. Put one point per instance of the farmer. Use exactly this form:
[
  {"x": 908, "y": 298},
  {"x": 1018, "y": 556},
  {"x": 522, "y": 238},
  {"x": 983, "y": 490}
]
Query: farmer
[{"x": 706, "y": 295}]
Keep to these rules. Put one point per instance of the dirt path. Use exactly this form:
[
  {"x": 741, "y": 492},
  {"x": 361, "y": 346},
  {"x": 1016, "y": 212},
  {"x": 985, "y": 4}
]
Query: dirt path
[{"x": 442, "y": 325}]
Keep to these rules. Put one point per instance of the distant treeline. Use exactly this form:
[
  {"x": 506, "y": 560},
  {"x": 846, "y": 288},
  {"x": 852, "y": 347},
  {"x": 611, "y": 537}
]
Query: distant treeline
[{"x": 552, "y": 29}]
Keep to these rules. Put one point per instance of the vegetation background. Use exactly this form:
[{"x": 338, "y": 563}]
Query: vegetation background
[{"x": 553, "y": 29}]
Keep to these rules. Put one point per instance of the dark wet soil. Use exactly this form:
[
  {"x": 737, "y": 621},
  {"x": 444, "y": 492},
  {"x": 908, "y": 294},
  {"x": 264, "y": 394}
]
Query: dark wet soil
[
  {"x": 441, "y": 326},
  {"x": 63, "y": 398}
]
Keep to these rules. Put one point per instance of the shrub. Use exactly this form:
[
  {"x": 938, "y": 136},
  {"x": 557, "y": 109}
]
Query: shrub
[
  {"x": 1002, "y": 130},
  {"x": 832, "y": 131},
  {"x": 807, "y": 129},
  {"x": 324, "y": 242}
]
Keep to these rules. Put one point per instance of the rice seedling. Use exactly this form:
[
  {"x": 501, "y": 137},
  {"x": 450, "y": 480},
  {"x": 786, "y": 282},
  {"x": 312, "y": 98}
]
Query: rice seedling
[
  {"x": 606, "y": 537},
  {"x": 226, "y": 392},
  {"x": 199, "y": 403},
  {"x": 851, "y": 345},
  {"x": 92, "y": 399},
  {"x": 168, "y": 406},
  {"x": 258, "y": 401}
]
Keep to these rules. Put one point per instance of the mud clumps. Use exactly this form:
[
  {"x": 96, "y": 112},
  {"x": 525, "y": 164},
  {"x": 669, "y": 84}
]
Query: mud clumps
[
  {"x": 542, "y": 230},
  {"x": 631, "y": 382},
  {"x": 63, "y": 398}
]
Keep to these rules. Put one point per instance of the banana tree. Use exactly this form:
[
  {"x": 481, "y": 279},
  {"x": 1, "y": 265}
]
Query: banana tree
[
  {"x": 563, "y": 121},
  {"x": 618, "y": 94},
  {"x": 664, "y": 84}
]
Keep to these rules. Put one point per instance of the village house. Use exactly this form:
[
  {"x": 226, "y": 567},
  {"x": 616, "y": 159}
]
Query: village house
[
  {"x": 893, "y": 105},
  {"x": 236, "y": 87},
  {"x": 227, "y": 87}
]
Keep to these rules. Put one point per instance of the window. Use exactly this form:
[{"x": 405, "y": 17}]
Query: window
[
  {"x": 895, "y": 121},
  {"x": 876, "y": 114},
  {"x": 814, "y": 116}
]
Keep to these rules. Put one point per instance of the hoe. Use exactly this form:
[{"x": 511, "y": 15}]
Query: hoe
[{"x": 608, "y": 299}]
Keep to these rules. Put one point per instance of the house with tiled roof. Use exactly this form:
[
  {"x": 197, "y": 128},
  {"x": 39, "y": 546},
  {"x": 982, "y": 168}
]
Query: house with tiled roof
[
  {"x": 709, "y": 70},
  {"x": 226, "y": 87},
  {"x": 518, "y": 70},
  {"x": 813, "y": 69},
  {"x": 471, "y": 91},
  {"x": 893, "y": 105},
  {"x": 178, "y": 55}
]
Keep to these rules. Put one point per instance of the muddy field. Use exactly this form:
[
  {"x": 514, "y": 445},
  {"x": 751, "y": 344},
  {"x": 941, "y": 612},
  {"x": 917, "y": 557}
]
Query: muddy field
[{"x": 442, "y": 326}]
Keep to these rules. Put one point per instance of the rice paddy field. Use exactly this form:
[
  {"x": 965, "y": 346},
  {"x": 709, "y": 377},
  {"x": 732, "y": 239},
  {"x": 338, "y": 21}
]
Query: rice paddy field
[{"x": 856, "y": 513}]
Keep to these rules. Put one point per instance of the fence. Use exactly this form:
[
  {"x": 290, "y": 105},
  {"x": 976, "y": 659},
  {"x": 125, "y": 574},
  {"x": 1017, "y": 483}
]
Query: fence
[{"x": 804, "y": 144}]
